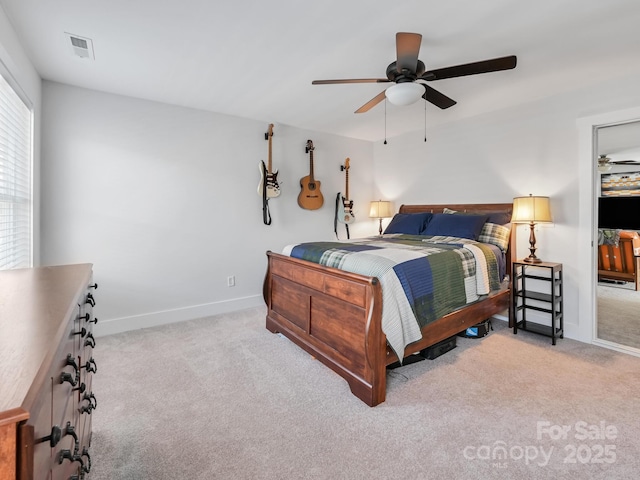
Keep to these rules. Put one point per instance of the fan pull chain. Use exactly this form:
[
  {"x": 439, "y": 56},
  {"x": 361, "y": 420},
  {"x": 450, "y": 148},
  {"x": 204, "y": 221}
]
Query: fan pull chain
[
  {"x": 425, "y": 121},
  {"x": 385, "y": 120}
]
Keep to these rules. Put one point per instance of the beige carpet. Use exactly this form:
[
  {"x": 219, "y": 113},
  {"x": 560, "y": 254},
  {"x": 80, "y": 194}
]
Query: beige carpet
[
  {"x": 619, "y": 315},
  {"x": 222, "y": 398}
]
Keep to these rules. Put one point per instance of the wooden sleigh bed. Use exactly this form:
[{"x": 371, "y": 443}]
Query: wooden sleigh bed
[{"x": 336, "y": 315}]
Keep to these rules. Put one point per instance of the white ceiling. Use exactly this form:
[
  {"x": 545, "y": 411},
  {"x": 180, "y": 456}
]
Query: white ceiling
[
  {"x": 257, "y": 59},
  {"x": 619, "y": 140}
]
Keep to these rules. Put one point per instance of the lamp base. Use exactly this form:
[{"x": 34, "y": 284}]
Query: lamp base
[
  {"x": 532, "y": 246},
  {"x": 531, "y": 259}
]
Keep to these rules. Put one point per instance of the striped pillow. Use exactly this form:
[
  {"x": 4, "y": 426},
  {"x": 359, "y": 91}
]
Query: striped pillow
[{"x": 496, "y": 235}]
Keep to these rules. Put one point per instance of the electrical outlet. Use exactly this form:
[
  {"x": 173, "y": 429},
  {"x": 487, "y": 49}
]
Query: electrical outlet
[{"x": 231, "y": 281}]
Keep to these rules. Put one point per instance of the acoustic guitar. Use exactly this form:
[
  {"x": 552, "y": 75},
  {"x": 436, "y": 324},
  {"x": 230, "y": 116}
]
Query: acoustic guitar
[
  {"x": 346, "y": 215},
  {"x": 310, "y": 196},
  {"x": 268, "y": 177}
]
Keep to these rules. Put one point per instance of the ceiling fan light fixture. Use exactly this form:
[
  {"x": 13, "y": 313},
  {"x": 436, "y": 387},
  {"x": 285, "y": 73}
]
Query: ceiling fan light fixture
[
  {"x": 402, "y": 94},
  {"x": 603, "y": 164}
]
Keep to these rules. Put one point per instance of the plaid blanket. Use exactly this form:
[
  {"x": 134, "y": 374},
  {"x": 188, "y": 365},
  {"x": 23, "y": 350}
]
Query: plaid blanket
[{"x": 422, "y": 278}]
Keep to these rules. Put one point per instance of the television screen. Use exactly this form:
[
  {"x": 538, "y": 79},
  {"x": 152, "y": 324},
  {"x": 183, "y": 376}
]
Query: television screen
[{"x": 619, "y": 212}]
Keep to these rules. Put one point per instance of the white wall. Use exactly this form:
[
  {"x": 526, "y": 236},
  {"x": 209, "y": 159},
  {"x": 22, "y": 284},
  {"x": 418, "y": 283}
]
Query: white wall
[
  {"x": 162, "y": 200},
  {"x": 532, "y": 148},
  {"x": 15, "y": 64}
]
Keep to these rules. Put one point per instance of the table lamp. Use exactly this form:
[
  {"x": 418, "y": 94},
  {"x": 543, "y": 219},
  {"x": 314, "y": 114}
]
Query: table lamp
[
  {"x": 381, "y": 209},
  {"x": 531, "y": 210}
]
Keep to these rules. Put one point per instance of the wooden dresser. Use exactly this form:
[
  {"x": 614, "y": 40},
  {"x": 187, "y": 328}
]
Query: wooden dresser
[{"x": 46, "y": 367}]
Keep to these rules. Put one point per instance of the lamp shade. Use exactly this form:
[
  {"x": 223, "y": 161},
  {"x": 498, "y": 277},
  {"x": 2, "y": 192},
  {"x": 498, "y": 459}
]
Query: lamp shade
[
  {"x": 404, "y": 93},
  {"x": 531, "y": 209},
  {"x": 381, "y": 209}
]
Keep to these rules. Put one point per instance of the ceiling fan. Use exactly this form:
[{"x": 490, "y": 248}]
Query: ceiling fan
[
  {"x": 408, "y": 73},
  {"x": 605, "y": 163}
]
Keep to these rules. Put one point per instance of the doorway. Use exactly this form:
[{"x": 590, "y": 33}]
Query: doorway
[{"x": 617, "y": 205}]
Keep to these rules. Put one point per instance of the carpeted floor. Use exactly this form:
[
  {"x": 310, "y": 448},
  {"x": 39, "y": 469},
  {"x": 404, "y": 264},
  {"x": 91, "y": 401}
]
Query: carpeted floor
[
  {"x": 619, "y": 314},
  {"x": 222, "y": 398}
]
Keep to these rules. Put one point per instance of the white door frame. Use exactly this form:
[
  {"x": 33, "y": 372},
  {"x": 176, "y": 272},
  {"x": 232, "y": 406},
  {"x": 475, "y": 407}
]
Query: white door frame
[{"x": 587, "y": 326}]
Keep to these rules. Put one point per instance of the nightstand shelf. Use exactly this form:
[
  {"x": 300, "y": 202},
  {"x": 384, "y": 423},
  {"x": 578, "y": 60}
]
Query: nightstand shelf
[{"x": 538, "y": 287}]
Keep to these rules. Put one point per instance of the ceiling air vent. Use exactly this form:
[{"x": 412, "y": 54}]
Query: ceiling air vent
[{"x": 80, "y": 46}]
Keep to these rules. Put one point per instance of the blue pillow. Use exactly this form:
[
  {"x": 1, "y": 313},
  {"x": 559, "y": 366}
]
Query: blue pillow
[
  {"x": 501, "y": 218},
  {"x": 463, "y": 226},
  {"x": 408, "y": 223}
]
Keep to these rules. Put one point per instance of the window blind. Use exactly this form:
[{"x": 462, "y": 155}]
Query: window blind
[{"x": 15, "y": 179}]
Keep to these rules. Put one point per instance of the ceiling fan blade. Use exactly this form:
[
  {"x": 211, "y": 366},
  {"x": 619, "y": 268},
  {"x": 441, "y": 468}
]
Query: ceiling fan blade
[
  {"x": 371, "y": 103},
  {"x": 485, "y": 66},
  {"x": 407, "y": 50},
  {"x": 437, "y": 98},
  {"x": 351, "y": 80},
  {"x": 625, "y": 162}
]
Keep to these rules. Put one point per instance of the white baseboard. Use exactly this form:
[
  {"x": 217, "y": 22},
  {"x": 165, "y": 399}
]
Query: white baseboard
[
  {"x": 503, "y": 317},
  {"x": 154, "y": 319},
  {"x": 617, "y": 347}
]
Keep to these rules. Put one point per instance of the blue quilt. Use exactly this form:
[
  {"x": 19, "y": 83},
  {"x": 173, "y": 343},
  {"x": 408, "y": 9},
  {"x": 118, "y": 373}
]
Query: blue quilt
[{"x": 422, "y": 277}]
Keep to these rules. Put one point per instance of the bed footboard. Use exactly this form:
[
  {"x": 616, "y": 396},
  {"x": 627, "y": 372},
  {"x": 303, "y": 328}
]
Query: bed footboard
[
  {"x": 333, "y": 315},
  {"x": 336, "y": 316}
]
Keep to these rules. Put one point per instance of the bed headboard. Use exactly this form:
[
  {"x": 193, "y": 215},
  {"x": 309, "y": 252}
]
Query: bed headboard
[{"x": 472, "y": 208}]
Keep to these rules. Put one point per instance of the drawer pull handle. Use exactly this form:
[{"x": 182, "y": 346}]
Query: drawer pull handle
[
  {"x": 89, "y": 366},
  {"x": 67, "y": 377},
  {"x": 72, "y": 362},
  {"x": 91, "y": 398},
  {"x": 71, "y": 430},
  {"x": 90, "y": 341},
  {"x": 85, "y": 453},
  {"x": 89, "y": 408},
  {"x": 82, "y": 332},
  {"x": 86, "y": 317},
  {"x": 90, "y": 300},
  {"x": 94, "y": 286},
  {"x": 71, "y": 457},
  {"x": 81, "y": 388},
  {"x": 95, "y": 320},
  {"x": 54, "y": 438}
]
